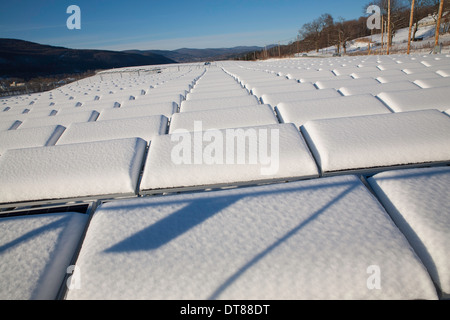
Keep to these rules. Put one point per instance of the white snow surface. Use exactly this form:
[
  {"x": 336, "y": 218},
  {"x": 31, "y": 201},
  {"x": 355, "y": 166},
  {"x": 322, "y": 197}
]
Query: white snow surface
[
  {"x": 63, "y": 120},
  {"x": 35, "y": 252},
  {"x": 71, "y": 171},
  {"x": 418, "y": 201},
  {"x": 145, "y": 128},
  {"x": 224, "y": 118},
  {"x": 8, "y": 124},
  {"x": 27, "y": 138},
  {"x": 135, "y": 111},
  {"x": 315, "y": 239},
  {"x": 377, "y": 89},
  {"x": 410, "y": 100},
  {"x": 199, "y": 159},
  {"x": 300, "y": 112},
  {"x": 370, "y": 142},
  {"x": 218, "y": 103},
  {"x": 275, "y": 98}
]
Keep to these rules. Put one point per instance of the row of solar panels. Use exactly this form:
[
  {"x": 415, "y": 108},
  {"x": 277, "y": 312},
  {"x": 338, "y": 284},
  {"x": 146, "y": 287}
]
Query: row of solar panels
[
  {"x": 422, "y": 137},
  {"x": 203, "y": 245}
]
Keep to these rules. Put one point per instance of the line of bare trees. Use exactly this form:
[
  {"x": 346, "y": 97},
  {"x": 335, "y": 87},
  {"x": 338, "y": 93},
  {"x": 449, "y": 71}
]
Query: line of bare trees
[{"x": 326, "y": 31}]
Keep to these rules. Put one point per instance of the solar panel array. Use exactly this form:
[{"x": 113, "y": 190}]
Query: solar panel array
[{"x": 313, "y": 178}]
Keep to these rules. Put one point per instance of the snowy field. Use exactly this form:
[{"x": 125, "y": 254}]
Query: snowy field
[{"x": 302, "y": 178}]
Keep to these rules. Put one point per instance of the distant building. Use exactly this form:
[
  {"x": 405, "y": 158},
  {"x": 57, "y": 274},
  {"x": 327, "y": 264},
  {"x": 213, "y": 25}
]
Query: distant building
[{"x": 17, "y": 84}]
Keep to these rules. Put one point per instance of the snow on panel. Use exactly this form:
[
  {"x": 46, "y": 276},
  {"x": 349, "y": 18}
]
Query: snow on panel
[
  {"x": 319, "y": 239},
  {"x": 410, "y": 100},
  {"x": 154, "y": 99},
  {"x": 416, "y": 66},
  {"x": 35, "y": 253},
  {"x": 223, "y": 118},
  {"x": 433, "y": 83},
  {"x": 285, "y": 87},
  {"x": 70, "y": 171},
  {"x": 300, "y": 112},
  {"x": 257, "y": 81},
  {"x": 32, "y": 137},
  {"x": 353, "y": 69},
  {"x": 359, "y": 74},
  {"x": 444, "y": 72},
  {"x": 227, "y": 157},
  {"x": 216, "y": 86},
  {"x": 214, "y": 94},
  {"x": 65, "y": 120},
  {"x": 409, "y": 77},
  {"x": 9, "y": 125},
  {"x": 145, "y": 128},
  {"x": 336, "y": 84},
  {"x": 218, "y": 103},
  {"x": 371, "y": 142},
  {"x": 379, "y": 88},
  {"x": 145, "y": 110},
  {"x": 275, "y": 98},
  {"x": 14, "y": 111},
  {"x": 419, "y": 203}
]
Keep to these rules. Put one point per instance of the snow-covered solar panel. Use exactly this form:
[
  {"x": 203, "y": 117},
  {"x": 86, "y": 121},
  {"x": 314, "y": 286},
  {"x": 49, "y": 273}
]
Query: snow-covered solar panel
[
  {"x": 95, "y": 169},
  {"x": 300, "y": 112},
  {"x": 32, "y": 137},
  {"x": 260, "y": 90},
  {"x": 338, "y": 83},
  {"x": 275, "y": 98},
  {"x": 318, "y": 239},
  {"x": 9, "y": 124},
  {"x": 143, "y": 127},
  {"x": 444, "y": 72},
  {"x": 369, "y": 143},
  {"x": 63, "y": 120},
  {"x": 232, "y": 156},
  {"x": 36, "y": 252},
  {"x": 355, "y": 69},
  {"x": 379, "y": 88},
  {"x": 408, "y": 77},
  {"x": 418, "y": 201},
  {"x": 223, "y": 118},
  {"x": 218, "y": 103},
  {"x": 142, "y": 110},
  {"x": 362, "y": 73},
  {"x": 213, "y": 94},
  {"x": 155, "y": 99},
  {"x": 411, "y": 100},
  {"x": 433, "y": 83}
]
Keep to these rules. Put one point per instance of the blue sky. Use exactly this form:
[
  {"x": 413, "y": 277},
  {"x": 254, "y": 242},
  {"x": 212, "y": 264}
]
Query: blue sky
[{"x": 167, "y": 25}]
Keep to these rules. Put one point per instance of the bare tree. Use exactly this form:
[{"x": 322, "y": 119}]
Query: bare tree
[
  {"x": 315, "y": 29},
  {"x": 399, "y": 13}
]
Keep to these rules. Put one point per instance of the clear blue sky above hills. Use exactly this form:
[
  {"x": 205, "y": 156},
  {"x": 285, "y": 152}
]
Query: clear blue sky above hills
[{"x": 167, "y": 25}]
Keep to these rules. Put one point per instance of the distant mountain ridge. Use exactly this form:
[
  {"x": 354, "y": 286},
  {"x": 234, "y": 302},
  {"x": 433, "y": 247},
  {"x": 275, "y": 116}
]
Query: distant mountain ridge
[
  {"x": 24, "y": 59},
  {"x": 196, "y": 55}
]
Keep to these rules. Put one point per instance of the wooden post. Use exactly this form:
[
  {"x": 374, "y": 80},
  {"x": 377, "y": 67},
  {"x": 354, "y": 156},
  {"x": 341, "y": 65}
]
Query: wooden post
[
  {"x": 389, "y": 27},
  {"x": 438, "y": 24},
  {"x": 382, "y": 34},
  {"x": 411, "y": 19}
]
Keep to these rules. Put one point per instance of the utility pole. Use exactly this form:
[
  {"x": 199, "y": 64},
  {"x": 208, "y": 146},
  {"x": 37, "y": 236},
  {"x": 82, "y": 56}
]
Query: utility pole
[
  {"x": 411, "y": 18},
  {"x": 382, "y": 33},
  {"x": 279, "y": 49},
  {"x": 389, "y": 27},
  {"x": 438, "y": 24}
]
